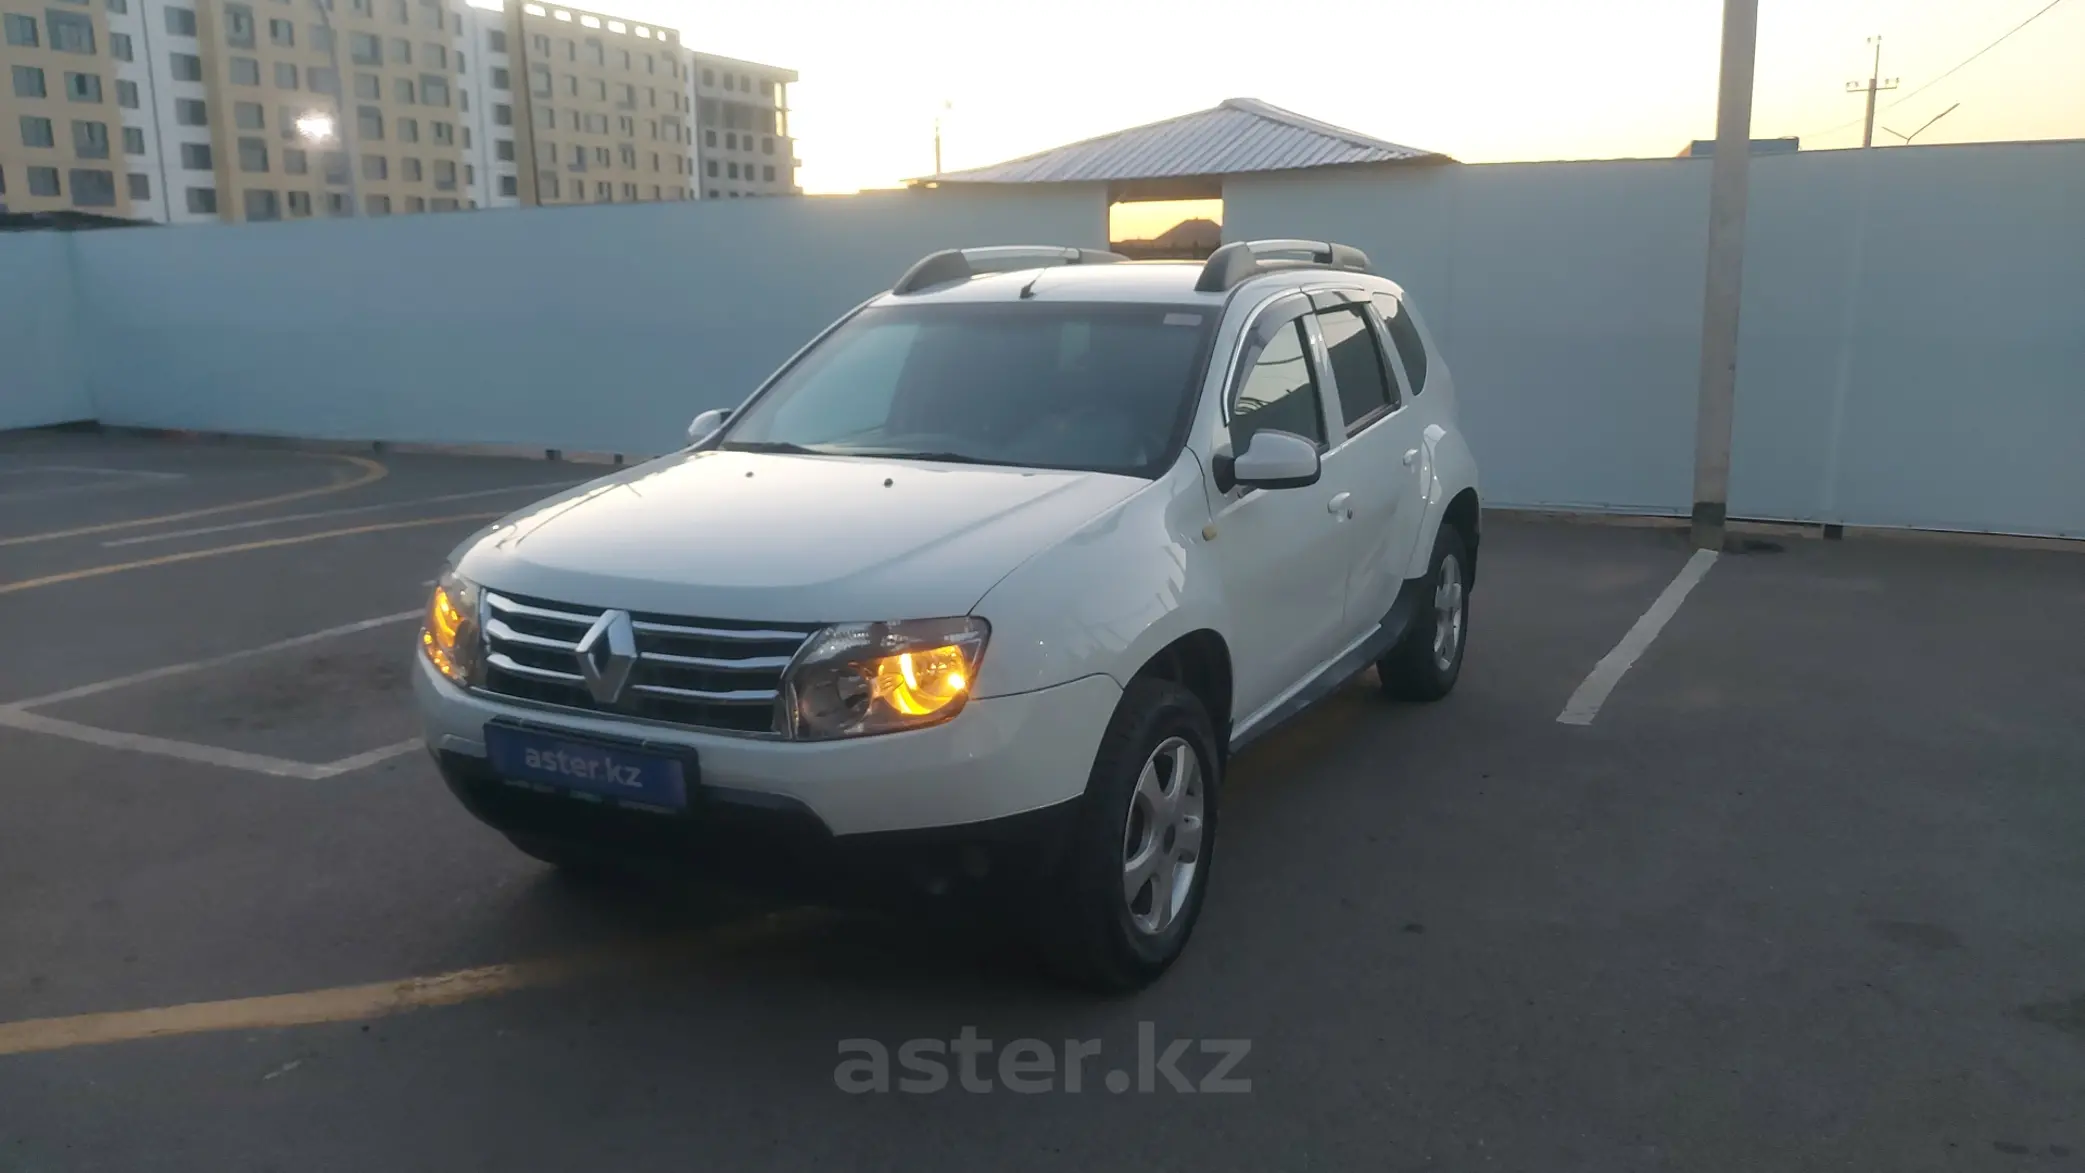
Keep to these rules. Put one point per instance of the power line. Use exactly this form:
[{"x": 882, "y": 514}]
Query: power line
[{"x": 2039, "y": 13}]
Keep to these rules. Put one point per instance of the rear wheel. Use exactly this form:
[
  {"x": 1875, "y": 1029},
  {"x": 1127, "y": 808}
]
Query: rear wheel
[
  {"x": 1426, "y": 662},
  {"x": 1137, "y": 865}
]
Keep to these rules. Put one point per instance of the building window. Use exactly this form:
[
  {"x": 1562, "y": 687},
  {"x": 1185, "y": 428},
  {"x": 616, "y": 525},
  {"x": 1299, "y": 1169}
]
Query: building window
[
  {"x": 409, "y": 170},
  {"x": 503, "y": 149},
  {"x": 444, "y": 133},
  {"x": 401, "y": 51},
  {"x": 369, "y": 87},
  {"x": 140, "y": 186},
  {"x": 336, "y": 203},
  {"x": 70, "y": 33},
  {"x": 238, "y": 26},
  {"x": 415, "y": 204},
  {"x": 321, "y": 38},
  {"x": 133, "y": 141},
  {"x": 630, "y": 192},
  {"x": 466, "y": 138},
  {"x": 191, "y": 112},
  {"x": 502, "y": 114},
  {"x": 127, "y": 94},
  {"x": 496, "y": 41},
  {"x": 539, "y": 80},
  {"x": 546, "y": 185},
  {"x": 202, "y": 201},
  {"x": 300, "y": 204},
  {"x": 601, "y": 156},
  {"x": 90, "y": 140},
  {"x": 282, "y": 32},
  {"x": 709, "y": 77},
  {"x": 510, "y": 186},
  {"x": 710, "y": 168},
  {"x": 604, "y": 191},
  {"x": 253, "y": 155},
  {"x": 365, "y": 49},
  {"x": 321, "y": 79},
  {"x": 376, "y": 167},
  {"x": 196, "y": 157},
  {"x": 546, "y": 118},
  {"x": 181, "y": 21},
  {"x": 336, "y": 165},
  {"x": 730, "y": 142},
  {"x": 435, "y": 55},
  {"x": 470, "y": 175},
  {"x": 408, "y": 130},
  {"x": 500, "y": 80},
  {"x": 434, "y": 90},
  {"x": 402, "y": 90},
  {"x": 36, "y": 132},
  {"x": 767, "y": 146},
  {"x": 28, "y": 81},
  {"x": 247, "y": 116},
  {"x": 732, "y": 171},
  {"x": 400, "y": 12},
  {"x": 629, "y": 156},
  {"x": 539, "y": 45},
  {"x": 767, "y": 173},
  {"x": 572, "y": 85},
  {"x": 369, "y": 123},
  {"x": 295, "y": 161},
  {"x": 262, "y": 205},
  {"x": 93, "y": 189},
  {"x": 713, "y": 193},
  {"x": 445, "y": 175},
  {"x": 21, "y": 30},
  {"x": 185, "y": 66},
  {"x": 245, "y": 71},
  {"x": 119, "y": 47},
  {"x": 43, "y": 181},
  {"x": 627, "y": 125},
  {"x": 285, "y": 76}
]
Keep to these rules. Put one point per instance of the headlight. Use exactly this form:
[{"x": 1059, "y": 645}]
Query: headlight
[
  {"x": 449, "y": 635},
  {"x": 860, "y": 678}
]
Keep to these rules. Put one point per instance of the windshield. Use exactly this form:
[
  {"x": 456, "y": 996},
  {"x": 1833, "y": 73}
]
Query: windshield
[{"x": 1104, "y": 388}]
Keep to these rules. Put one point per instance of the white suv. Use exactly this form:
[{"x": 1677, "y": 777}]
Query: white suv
[{"x": 987, "y": 582}]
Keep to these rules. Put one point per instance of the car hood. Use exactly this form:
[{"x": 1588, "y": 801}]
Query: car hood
[{"x": 744, "y": 535}]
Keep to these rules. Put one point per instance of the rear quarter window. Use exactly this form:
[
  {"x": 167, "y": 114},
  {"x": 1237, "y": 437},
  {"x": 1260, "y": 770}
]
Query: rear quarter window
[{"x": 1405, "y": 336}]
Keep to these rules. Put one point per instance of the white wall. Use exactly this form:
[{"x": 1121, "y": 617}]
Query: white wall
[
  {"x": 39, "y": 356},
  {"x": 594, "y": 328},
  {"x": 1567, "y": 297}
]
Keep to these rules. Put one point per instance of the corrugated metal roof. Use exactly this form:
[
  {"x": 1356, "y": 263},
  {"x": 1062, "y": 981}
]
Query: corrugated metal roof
[{"x": 1242, "y": 134}]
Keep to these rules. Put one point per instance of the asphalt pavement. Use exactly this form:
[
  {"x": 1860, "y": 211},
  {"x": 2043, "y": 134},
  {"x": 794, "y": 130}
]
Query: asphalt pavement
[{"x": 1807, "y": 893}]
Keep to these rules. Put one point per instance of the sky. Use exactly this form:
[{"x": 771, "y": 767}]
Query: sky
[{"x": 1481, "y": 80}]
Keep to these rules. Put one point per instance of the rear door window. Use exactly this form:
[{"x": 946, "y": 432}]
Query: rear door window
[{"x": 1366, "y": 389}]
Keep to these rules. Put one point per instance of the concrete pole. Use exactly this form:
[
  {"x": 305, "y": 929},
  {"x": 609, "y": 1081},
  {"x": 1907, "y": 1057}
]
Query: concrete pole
[{"x": 1726, "y": 262}]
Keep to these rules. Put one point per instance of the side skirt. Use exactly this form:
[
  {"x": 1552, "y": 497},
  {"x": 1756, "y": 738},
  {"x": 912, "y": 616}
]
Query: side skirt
[{"x": 1338, "y": 670}]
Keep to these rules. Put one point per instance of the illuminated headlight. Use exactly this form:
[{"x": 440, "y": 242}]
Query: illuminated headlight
[
  {"x": 449, "y": 635},
  {"x": 861, "y": 678}
]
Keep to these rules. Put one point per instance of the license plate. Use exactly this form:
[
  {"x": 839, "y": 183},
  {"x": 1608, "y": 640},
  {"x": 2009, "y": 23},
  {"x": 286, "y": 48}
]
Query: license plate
[{"x": 587, "y": 768}]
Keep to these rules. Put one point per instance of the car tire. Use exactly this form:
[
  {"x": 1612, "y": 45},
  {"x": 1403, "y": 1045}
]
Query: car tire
[
  {"x": 1137, "y": 862},
  {"x": 1427, "y": 661}
]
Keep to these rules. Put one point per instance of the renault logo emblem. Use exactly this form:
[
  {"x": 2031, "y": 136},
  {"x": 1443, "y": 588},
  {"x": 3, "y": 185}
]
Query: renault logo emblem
[{"x": 606, "y": 653}]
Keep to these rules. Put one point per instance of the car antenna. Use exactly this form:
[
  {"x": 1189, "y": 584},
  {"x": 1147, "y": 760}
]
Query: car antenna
[{"x": 1028, "y": 290}]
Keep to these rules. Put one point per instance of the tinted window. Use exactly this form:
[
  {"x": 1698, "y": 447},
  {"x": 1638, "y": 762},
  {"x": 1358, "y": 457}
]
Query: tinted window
[
  {"x": 1102, "y": 387},
  {"x": 1406, "y": 337},
  {"x": 1279, "y": 393},
  {"x": 1357, "y": 366}
]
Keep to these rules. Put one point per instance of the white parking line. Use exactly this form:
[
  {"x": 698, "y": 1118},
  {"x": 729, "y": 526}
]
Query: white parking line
[
  {"x": 1585, "y": 703},
  {"x": 377, "y": 508},
  {"x": 17, "y": 715}
]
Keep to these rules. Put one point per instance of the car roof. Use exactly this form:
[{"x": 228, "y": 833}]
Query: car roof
[{"x": 1161, "y": 282}]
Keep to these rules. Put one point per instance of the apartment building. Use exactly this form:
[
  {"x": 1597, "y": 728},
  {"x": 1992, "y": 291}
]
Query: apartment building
[
  {"x": 208, "y": 110},
  {"x": 742, "y": 116}
]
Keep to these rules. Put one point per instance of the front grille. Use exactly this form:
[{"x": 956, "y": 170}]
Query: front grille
[{"x": 704, "y": 673}]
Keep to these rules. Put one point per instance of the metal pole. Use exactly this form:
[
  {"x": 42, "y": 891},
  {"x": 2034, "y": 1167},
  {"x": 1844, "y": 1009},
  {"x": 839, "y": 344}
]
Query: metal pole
[
  {"x": 341, "y": 124},
  {"x": 1726, "y": 262},
  {"x": 1874, "y": 79}
]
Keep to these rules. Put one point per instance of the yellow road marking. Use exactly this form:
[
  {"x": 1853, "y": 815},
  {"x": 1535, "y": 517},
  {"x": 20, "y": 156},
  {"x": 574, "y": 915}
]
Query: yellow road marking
[
  {"x": 371, "y": 471},
  {"x": 377, "y": 999},
  {"x": 8, "y": 588}
]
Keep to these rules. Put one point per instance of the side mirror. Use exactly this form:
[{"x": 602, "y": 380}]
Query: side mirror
[
  {"x": 706, "y": 425},
  {"x": 1276, "y": 460}
]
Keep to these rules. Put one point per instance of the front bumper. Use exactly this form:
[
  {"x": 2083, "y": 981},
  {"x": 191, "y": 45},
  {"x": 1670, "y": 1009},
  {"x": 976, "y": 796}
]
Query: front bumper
[{"x": 1000, "y": 757}]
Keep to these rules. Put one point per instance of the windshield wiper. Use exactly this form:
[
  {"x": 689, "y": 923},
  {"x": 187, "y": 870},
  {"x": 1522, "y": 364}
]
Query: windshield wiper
[
  {"x": 907, "y": 454},
  {"x": 781, "y": 446}
]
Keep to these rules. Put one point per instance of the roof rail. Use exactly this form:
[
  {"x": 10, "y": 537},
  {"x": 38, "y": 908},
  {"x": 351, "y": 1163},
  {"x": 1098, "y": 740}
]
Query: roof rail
[
  {"x": 957, "y": 264},
  {"x": 1237, "y": 261}
]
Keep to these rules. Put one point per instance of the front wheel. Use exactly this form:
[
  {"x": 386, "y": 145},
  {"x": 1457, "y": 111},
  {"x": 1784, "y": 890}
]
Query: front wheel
[
  {"x": 1137, "y": 865},
  {"x": 1426, "y": 662}
]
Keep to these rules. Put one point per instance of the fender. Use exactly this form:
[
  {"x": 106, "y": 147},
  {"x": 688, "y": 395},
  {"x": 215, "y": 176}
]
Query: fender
[{"x": 1105, "y": 599}]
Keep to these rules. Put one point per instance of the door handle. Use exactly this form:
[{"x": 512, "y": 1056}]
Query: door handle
[
  {"x": 1337, "y": 506},
  {"x": 1410, "y": 455}
]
